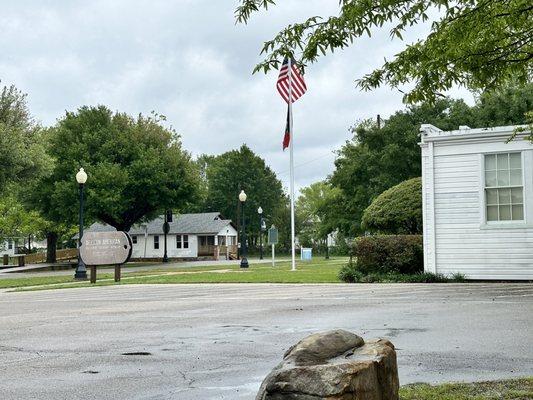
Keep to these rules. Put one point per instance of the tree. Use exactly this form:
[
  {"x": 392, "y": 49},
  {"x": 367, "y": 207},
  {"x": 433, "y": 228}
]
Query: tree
[
  {"x": 136, "y": 167},
  {"x": 281, "y": 219},
  {"x": 236, "y": 170},
  {"x": 16, "y": 221},
  {"x": 480, "y": 44},
  {"x": 312, "y": 208},
  {"x": 22, "y": 155},
  {"x": 508, "y": 105},
  {"x": 397, "y": 210}
]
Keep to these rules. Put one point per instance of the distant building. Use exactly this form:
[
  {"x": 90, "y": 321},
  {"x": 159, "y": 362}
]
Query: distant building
[
  {"x": 477, "y": 202},
  {"x": 8, "y": 246},
  {"x": 191, "y": 236}
]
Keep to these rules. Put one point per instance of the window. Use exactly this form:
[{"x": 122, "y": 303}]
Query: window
[
  {"x": 182, "y": 242},
  {"x": 134, "y": 239},
  {"x": 10, "y": 245},
  {"x": 504, "y": 191},
  {"x": 156, "y": 242},
  {"x": 207, "y": 240}
]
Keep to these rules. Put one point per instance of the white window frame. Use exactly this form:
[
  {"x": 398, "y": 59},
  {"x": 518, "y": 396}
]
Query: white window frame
[
  {"x": 182, "y": 241},
  {"x": 483, "y": 194},
  {"x": 156, "y": 242},
  {"x": 134, "y": 239}
]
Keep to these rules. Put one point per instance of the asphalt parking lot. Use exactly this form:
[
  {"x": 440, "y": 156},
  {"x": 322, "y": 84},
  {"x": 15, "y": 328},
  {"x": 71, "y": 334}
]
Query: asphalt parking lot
[{"x": 219, "y": 341}]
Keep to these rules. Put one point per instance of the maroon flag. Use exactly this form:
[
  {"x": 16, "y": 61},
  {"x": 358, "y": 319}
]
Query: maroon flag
[{"x": 287, "y": 137}]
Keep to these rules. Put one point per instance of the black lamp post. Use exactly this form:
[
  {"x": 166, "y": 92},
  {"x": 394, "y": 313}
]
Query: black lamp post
[
  {"x": 81, "y": 271},
  {"x": 262, "y": 227},
  {"x": 166, "y": 230},
  {"x": 244, "y": 261}
]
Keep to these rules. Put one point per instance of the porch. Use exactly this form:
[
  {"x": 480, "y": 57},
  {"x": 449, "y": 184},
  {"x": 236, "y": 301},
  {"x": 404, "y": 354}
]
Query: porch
[{"x": 217, "y": 246}]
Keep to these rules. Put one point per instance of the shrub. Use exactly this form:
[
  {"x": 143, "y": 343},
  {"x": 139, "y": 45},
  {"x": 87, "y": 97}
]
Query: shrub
[
  {"x": 350, "y": 274},
  {"x": 402, "y": 254},
  {"x": 397, "y": 210}
]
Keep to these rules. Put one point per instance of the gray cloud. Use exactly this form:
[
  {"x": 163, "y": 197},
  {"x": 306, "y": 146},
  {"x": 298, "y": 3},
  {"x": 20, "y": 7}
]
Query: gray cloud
[{"x": 187, "y": 60}]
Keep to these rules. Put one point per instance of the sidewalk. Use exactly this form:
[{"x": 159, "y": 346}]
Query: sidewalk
[{"x": 29, "y": 270}]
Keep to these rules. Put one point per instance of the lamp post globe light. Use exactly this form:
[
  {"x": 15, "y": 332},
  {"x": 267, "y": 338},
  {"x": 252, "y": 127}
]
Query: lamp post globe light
[
  {"x": 81, "y": 271},
  {"x": 244, "y": 260},
  {"x": 261, "y": 222}
]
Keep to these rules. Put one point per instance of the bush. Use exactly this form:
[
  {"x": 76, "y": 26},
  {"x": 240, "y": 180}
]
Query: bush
[
  {"x": 403, "y": 254},
  {"x": 349, "y": 273},
  {"x": 397, "y": 210}
]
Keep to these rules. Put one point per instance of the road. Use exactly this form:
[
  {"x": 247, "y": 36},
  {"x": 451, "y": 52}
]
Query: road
[{"x": 219, "y": 341}]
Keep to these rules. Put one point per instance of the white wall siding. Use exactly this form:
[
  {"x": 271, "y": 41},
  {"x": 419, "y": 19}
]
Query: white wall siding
[
  {"x": 463, "y": 242},
  {"x": 228, "y": 231},
  {"x": 4, "y": 247},
  {"x": 172, "y": 250},
  {"x": 428, "y": 210}
]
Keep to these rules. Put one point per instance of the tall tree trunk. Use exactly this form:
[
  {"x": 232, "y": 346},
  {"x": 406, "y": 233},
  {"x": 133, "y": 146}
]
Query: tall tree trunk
[{"x": 51, "y": 246}]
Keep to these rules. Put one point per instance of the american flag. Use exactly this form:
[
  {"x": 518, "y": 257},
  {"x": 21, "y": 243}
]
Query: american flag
[{"x": 297, "y": 83}]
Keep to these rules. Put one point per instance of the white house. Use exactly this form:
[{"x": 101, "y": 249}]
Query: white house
[
  {"x": 477, "y": 202},
  {"x": 191, "y": 236},
  {"x": 8, "y": 246}
]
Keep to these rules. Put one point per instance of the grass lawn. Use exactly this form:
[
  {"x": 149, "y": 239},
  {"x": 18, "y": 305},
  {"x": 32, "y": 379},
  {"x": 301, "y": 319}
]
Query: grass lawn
[
  {"x": 317, "y": 271},
  {"x": 516, "y": 389}
]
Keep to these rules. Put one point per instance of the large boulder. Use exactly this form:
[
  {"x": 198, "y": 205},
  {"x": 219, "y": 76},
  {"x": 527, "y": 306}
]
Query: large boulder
[{"x": 334, "y": 365}]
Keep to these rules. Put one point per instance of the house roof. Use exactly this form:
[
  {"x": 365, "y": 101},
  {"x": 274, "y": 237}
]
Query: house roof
[
  {"x": 430, "y": 133},
  {"x": 202, "y": 223}
]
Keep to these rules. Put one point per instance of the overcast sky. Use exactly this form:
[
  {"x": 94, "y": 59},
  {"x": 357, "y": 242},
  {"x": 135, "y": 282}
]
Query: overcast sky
[{"x": 188, "y": 60}]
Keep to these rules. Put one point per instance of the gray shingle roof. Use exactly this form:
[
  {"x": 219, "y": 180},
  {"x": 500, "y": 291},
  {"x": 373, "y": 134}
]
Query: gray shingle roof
[{"x": 204, "y": 223}]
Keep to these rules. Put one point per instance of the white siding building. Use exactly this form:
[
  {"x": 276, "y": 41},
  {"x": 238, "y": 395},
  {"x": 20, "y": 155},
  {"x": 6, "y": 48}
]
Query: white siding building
[
  {"x": 191, "y": 236},
  {"x": 8, "y": 246},
  {"x": 477, "y": 203}
]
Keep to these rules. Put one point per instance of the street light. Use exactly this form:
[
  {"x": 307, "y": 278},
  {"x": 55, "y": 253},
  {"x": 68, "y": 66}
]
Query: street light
[
  {"x": 244, "y": 261},
  {"x": 166, "y": 230},
  {"x": 261, "y": 223},
  {"x": 81, "y": 271}
]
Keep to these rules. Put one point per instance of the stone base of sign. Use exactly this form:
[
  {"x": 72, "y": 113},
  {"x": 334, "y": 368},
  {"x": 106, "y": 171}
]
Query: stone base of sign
[{"x": 334, "y": 365}]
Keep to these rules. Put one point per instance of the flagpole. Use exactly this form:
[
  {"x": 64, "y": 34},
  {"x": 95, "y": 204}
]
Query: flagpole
[{"x": 291, "y": 149}]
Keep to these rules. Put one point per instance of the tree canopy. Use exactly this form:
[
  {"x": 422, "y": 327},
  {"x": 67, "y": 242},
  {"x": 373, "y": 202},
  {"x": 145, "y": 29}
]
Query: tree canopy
[
  {"x": 480, "y": 44},
  {"x": 229, "y": 173},
  {"x": 312, "y": 208},
  {"x": 136, "y": 168},
  {"x": 22, "y": 155},
  {"x": 16, "y": 221}
]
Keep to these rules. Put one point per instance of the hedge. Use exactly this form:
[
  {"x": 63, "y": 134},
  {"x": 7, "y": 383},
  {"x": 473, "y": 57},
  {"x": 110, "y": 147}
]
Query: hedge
[
  {"x": 402, "y": 254},
  {"x": 397, "y": 210}
]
